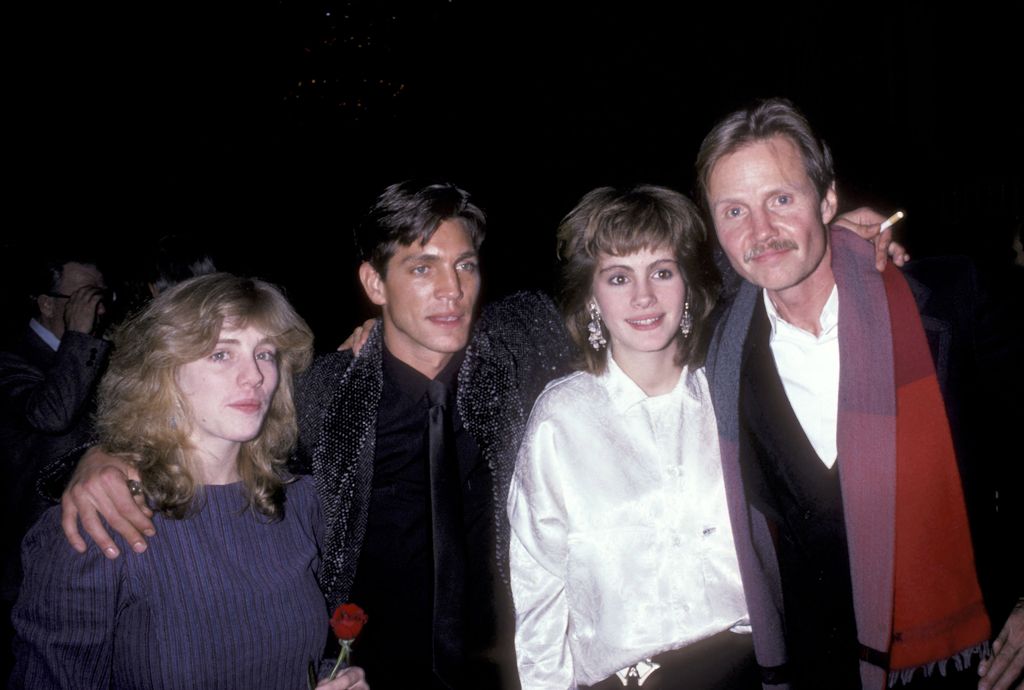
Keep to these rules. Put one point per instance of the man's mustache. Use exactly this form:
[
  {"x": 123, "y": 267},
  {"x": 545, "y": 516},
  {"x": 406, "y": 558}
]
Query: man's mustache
[{"x": 769, "y": 246}]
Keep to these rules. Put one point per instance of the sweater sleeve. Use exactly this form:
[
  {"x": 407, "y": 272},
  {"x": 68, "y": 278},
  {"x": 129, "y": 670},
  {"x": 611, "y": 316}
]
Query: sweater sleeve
[{"x": 66, "y": 612}]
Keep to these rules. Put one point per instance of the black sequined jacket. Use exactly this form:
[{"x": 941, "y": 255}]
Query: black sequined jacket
[{"x": 518, "y": 345}]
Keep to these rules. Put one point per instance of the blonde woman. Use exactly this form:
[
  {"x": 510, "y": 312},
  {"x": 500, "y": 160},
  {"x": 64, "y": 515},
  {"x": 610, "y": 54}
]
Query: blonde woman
[{"x": 198, "y": 395}]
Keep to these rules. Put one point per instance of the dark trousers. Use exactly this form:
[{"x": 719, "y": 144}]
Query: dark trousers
[{"x": 722, "y": 662}]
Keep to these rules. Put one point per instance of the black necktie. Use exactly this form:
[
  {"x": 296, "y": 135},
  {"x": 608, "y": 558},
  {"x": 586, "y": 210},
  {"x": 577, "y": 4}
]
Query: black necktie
[{"x": 449, "y": 539}]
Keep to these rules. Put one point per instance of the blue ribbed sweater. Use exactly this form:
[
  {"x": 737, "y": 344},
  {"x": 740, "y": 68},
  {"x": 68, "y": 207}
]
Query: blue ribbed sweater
[{"x": 222, "y": 599}]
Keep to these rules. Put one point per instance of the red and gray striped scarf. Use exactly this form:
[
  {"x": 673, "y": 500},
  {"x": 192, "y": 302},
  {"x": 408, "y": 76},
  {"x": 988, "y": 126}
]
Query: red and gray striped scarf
[{"x": 915, "y": 589}]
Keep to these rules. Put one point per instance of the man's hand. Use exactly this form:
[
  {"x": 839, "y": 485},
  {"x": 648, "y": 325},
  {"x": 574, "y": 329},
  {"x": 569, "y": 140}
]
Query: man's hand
[
  {"x": 1003, "y": 669},
  {"x": 352, "y": 678},
  {"x": 84, "y": 307},
  {"x": 99, "y": 488},
  {"x": 867, "y": 223},
  {"x": 358, "y": 338}
]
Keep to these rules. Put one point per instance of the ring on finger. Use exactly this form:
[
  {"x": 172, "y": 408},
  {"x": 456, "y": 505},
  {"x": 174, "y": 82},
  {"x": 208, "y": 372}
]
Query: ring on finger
[{"x": 134, "y": 487}]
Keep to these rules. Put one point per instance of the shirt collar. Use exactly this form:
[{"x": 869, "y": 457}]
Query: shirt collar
[
  {"x": 414, "y": 384},
  {"x": 45, "y": 334},
  {"x": 828, "y": 320},
  {"x": 624, "y": 392}
]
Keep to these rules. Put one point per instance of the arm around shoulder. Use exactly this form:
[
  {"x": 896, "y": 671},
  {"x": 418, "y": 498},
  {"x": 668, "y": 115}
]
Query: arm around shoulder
[{"x": 99, "y": 489}]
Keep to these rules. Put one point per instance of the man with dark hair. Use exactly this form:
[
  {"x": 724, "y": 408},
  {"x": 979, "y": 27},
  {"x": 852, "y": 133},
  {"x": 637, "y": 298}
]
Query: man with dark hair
[
  {"x": 848, "y": 410},
  {"x": 408, "y": 212},
  {"x": 47, "y": 381},
  {"x": 412, "y": 445},
  {"x": 417, "y": 533}
]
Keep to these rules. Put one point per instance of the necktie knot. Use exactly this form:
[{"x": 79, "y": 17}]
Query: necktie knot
[{"x": 437, "y": 393}]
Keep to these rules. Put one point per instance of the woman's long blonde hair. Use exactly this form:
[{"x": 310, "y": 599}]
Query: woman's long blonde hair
[{"x": 143, "y": 415}]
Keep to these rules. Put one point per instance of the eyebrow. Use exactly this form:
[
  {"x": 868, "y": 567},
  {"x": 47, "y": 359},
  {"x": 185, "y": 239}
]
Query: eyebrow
[
  {"x": 265, "y": 340},
  {"x": 434, "y": 258},
  {"x": 630, "y": 268},
  {"x": 787, "y": 188}
]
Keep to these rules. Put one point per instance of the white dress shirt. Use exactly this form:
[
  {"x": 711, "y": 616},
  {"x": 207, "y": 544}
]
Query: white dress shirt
[
  {"x": 45, "y": 334},
  {"x": 808, "y": 365},
  {"x": 621, "y": 546}
]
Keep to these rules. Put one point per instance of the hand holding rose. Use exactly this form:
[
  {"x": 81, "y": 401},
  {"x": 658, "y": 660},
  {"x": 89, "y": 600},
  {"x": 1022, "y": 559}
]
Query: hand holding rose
[
  {"x": 347, "y": 622},
  {"x": 351, "y": 678}
]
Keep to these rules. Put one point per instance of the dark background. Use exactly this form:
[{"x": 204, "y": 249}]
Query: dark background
[{"x": 266, "y": 129}]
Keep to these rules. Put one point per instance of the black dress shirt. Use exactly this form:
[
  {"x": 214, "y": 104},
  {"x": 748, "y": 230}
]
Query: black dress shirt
[{"x": 394, "y": 578}]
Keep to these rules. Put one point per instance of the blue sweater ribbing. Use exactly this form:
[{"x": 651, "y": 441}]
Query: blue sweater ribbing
[{"x": 222, "y": 599}]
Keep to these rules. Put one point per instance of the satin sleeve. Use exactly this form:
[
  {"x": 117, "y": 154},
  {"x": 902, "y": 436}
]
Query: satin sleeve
[{"x": 537, "y": 555}]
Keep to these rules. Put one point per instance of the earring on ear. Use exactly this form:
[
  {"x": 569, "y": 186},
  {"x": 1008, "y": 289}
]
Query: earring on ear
[
  {"x": 596, "y": 337},
  {"x": 686, "y": 323}
]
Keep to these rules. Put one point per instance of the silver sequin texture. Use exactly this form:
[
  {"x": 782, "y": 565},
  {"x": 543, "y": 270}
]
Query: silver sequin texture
[{"x": 518, "y": 345}]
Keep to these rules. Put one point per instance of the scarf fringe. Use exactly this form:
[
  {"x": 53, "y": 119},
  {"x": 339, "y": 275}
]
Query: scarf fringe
[{"x": 961, "y": 660}]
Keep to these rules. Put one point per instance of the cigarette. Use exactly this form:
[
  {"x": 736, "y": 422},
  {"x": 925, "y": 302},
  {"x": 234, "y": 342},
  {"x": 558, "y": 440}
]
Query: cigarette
[{"x": 892, "y": 220}]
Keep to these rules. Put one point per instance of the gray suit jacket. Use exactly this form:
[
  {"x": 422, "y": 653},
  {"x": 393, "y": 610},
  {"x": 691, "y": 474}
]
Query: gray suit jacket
[{"x": 46, "y": 399}]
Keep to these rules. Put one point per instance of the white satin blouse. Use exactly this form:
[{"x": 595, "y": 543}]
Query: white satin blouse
[{"x": 621, "y": 546}]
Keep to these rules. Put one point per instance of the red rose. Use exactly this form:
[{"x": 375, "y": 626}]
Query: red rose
[{"x": 348, "y": 621}]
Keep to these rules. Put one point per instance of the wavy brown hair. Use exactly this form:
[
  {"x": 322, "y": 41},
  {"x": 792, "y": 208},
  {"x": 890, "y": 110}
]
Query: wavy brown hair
[
  {"x": 624, "y": 221},
  {"x": 772, "y": 117},
  {"x": 143, "y": 415}
]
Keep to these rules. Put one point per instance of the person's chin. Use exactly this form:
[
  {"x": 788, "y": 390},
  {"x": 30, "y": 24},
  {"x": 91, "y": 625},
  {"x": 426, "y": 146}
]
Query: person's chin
[
  {"x": 766, "y": 277},
  {"x": 449, "y": 343}
]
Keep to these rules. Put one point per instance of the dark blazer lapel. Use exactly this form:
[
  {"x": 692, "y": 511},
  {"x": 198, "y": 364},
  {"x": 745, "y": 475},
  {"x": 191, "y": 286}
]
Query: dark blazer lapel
[
  {"x": 754, "y": 545},
  {"x": 491, "y": 419},
  {"x": 725, "y": 357},
  {"x": 493, "y": 414},
  {"x": 343, "y": 464}
]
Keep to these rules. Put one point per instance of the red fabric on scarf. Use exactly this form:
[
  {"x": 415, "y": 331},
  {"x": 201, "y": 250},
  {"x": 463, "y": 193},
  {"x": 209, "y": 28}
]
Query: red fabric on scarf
[{"x": 937, "y": 605}]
